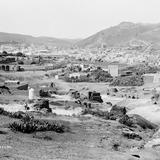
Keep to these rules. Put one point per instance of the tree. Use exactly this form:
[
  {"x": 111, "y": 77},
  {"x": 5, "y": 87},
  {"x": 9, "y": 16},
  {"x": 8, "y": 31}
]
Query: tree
[
  {"x": 5, "y": 53},
  {"x": 20, "y": 54}
]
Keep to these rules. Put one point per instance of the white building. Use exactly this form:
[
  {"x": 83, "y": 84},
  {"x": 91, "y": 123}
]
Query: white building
[{"x": 113, "y": 70}]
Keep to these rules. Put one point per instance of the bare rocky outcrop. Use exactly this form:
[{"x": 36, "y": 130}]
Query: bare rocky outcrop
[
  {"x": 43, "y": 93},
  {"x": 42, "y": 104},
  {"x": 4, "y": 90},
  {"x": 135, "y": 120},
  {"x": 117, "y": 112}
]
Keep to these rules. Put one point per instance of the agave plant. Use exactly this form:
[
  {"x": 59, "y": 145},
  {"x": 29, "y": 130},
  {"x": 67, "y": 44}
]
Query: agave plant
[{"x": 31, "y": 125}]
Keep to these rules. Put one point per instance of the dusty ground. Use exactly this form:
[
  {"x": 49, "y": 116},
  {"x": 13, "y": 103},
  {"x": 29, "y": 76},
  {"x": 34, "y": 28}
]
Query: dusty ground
[{"x": 90, "y": 138}]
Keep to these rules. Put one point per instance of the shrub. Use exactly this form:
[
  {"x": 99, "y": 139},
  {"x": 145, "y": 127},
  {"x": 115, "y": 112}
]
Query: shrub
[
  {"x": 20, "y": 62},
  {"x": 32, "y": 125},
  {"x": 142, "y": 69},
  {"x": 81, "y": 79},
  {"x": 18, "y": 115},
  {"x": 116, "y": 146},
  {"x": 33, "y": 62},
  {"x": 134, "y": 80},
  {"x": 101, "y": 75},
  {"x": 23, "y": 127}
]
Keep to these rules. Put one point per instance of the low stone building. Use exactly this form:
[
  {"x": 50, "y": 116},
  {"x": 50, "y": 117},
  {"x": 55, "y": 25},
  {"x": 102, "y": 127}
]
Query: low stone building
[{"x": 6, "y": 67}]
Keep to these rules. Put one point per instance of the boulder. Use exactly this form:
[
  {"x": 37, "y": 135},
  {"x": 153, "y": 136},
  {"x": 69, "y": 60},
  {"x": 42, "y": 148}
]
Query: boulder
[
  {"x": 131, "y": 135},
  {"x": 4, "y": 90},
  {"x": 41, "y": 104},
  {"x": 43, "y": 93},
  {"x": 23, "y": 87},
  {"x": 135, "y": 120},
  {"x": 95, "y": 96},
  {"x": 1, "y": 110},
  {"x": 117, "y": 112}
]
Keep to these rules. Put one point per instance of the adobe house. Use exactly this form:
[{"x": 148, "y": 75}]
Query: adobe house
[{"x": 6, "y": 67}]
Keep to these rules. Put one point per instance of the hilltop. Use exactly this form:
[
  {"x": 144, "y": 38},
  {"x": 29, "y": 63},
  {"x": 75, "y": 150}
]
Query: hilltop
[
  {"x": 11, "y": 38},
  {"x": 122, "y": 34}
]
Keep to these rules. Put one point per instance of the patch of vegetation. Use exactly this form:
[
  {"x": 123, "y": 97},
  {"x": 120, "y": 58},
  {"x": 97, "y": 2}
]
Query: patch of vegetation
[
  {"x": 97, "y": 75},
  {"x": 32, "y": 125},
  {"x": 100, "y": 75},
  {"x": 142, "y": 69},
  {"x": 116, "y": 146},
  {"x": 18, "y": 115},
  {"x": 134, "y": 80},
  {"x": 74, "y": 79}
]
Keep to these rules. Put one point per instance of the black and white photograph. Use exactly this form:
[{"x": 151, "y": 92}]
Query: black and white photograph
[{"x": 79, "y": 80}]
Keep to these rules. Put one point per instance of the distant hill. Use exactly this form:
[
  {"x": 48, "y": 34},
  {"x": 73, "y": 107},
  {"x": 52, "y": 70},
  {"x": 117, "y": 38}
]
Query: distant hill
[
  {"x": 27, "y": 39},
  {"x": 123, "y": 34}
]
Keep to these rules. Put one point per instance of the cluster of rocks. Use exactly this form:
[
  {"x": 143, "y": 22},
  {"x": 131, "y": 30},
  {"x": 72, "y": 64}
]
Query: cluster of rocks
[
  {"x": 4, "y": 90},
  {"x": 127, "y": 93},
  {"x": 133, "y": 124},
  {"x": 42, "y": 105}
]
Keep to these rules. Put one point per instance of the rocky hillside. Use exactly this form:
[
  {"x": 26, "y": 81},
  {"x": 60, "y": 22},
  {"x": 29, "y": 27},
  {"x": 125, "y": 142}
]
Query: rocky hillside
[{"x": 123, "y": 34}]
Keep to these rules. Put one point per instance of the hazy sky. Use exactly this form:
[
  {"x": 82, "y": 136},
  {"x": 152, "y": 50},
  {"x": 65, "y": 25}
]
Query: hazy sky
[{"x": 73, "y": 18}]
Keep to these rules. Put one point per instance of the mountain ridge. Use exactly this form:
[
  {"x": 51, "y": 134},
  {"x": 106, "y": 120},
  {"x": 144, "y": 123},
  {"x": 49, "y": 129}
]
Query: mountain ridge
[
  {"x": 121, "y": 34},
  {"x": 115, "y": 36},
  {"x": 29, "y": 39}
]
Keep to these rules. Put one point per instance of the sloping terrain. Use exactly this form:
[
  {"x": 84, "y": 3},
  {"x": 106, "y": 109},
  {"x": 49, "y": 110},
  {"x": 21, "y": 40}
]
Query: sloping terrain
[
  {"x": 122, "y": 34},
  {"x": 89, "y": 139},
  {"x": 27, "y": 39}
]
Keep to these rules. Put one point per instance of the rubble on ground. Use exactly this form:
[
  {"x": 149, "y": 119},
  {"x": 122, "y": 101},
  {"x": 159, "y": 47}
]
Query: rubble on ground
[{"x": 97, "y": 112}]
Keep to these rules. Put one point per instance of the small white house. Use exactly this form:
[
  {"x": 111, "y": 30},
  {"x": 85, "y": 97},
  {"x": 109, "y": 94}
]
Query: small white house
[
  {"x": 31, "y": 94},
  {"x": 113, "y": 70},
  {"x": 74, "y": 75},
  {"x": 56, "y": 77},
  {"x": 151, "y": 78}
]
